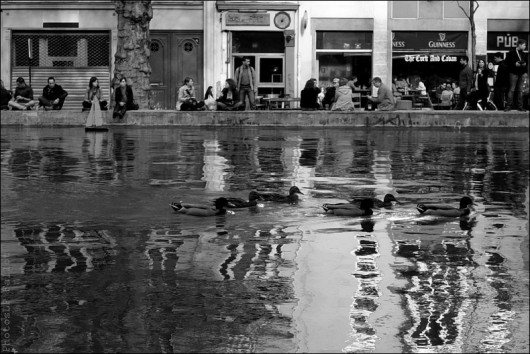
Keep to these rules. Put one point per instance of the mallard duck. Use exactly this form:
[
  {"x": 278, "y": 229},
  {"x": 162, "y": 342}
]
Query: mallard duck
[
  {"x": 349, "y": 209},
  {"x": 446, "y": 209},
  {"x": 202, "y": 210},
  {"x": 378, "y": 203},
  {"x": 277, "y": 197},
  {"x": 253, "y": 198}
]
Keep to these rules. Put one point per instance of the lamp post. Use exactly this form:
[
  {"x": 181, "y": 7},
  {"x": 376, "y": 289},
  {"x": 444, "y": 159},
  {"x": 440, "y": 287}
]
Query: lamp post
[{"x": 30, "y": 56}]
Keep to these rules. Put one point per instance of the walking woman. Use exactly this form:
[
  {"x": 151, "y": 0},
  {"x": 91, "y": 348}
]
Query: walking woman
[
  {"x": 94, "y": 94},
  {"x": 481, "y": 83},
  {"x": 124, "y": 99}
]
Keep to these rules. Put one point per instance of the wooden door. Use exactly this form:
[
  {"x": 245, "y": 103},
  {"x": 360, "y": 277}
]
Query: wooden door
[
  {"x": 160, "y": 80},
  {"x": 186, "y": 54},
  {"x": 174, "y": 56}
]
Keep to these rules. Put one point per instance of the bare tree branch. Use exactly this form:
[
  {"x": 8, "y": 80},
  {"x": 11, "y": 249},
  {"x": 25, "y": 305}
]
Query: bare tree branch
[{"x": 463, "y": 10}]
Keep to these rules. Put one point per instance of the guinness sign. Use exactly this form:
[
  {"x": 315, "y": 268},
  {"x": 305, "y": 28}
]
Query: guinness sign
[{"x": 407, "y": 41}]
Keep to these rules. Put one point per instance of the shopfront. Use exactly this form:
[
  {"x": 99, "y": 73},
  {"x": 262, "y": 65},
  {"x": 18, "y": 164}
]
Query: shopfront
[
  {"x": 344, "y": 54},
  {"x": 433, "y": 55},
  {"x": 267, "y": 36}
]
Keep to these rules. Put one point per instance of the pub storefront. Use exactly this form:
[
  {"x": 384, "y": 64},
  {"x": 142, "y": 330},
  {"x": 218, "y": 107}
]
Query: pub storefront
[{"x": 433, "y": 55}]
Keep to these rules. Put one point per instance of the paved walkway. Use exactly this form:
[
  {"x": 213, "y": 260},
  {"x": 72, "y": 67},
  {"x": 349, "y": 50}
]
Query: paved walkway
[{"x": 294, "y": 118}]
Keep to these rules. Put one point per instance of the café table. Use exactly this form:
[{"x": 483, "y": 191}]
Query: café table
[{"x": 280, "y": 103}]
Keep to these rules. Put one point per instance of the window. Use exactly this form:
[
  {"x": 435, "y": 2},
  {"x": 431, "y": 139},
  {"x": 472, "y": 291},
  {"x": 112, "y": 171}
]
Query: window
[
  {"x": 258, "y": 42},
  {"x": 344, "y": 54},
  {"x": 404, "y": 9}
]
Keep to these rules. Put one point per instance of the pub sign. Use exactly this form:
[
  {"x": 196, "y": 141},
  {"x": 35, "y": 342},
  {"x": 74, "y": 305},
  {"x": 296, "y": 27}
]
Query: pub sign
[{"x": 429, "y": 41}]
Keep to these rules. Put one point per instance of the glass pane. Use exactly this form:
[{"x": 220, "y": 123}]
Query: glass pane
[
  {"x": 258, "y": 42},
  {"x": 338, "y": 65},
  {"x": 451, "y": 9},
  {"x": 344, "y": 40},
  {"x": 404, "y": 9},
  {"x": 271, "y": 70}
]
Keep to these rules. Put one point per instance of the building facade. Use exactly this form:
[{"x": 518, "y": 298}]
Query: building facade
[{"x": 288, "y": 42}]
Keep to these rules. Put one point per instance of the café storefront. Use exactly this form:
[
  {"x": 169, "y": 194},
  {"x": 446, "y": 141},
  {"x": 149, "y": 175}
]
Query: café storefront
[
  {"x": 504, "y": 41},
  {"x": 433, "y": 55}
]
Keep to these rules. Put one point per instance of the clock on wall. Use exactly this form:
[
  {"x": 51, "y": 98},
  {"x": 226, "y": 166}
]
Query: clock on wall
[{"x": 282, "y": 20}]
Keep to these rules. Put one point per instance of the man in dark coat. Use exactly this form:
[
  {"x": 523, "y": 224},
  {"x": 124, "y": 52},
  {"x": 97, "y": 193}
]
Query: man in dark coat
[
  {"x": 465, "y": 82},
  {"x": 23, "y": 96},
  {"x": 53, "y": 95},
  {"x": 502, "y": 81},
  {"x": 517, "y": 61}
]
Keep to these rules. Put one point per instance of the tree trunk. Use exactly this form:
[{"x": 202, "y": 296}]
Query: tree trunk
[
  {"x": 132, "y": 55},
  {"x": 473, "y": 35}
]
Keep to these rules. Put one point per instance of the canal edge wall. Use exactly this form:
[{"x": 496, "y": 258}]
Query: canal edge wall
[{"x": 287, "y": 118}]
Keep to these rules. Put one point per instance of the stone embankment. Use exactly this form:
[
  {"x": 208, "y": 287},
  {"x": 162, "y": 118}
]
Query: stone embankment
[{"x": 277, "y": 118}]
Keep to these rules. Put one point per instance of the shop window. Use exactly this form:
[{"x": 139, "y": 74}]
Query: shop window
[
  {"x": 271, "y": 70},
  {"x": 344, "y": 40},
  {"x": 258, "y": 42},
  {"x": 339, "y": 65},
  {"x": 451, "y": 9},
  {"x": 404, "y": 9}
]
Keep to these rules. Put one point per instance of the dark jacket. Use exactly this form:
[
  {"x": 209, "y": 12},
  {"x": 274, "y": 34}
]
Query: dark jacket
[
  {"x": 502, "y": 80},
  {"x": 482, "y": 80},
  {"x": 25, "y": 91},
  {"x": 51, "y": 94},
  {"x": 5, "y": 97},
  {"x": 119, "y": 96},
  {"x": 329, "y": 97},
  {"x": 309, "y": 98},
  {"x": 465, "y": 79},
  {"x": 224, "y": 99},
  {"x": 512, "y": 58}
]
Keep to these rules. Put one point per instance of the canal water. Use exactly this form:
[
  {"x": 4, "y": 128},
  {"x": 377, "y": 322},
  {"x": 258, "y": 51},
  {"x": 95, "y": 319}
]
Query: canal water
[{"x": 95, "y": 260}]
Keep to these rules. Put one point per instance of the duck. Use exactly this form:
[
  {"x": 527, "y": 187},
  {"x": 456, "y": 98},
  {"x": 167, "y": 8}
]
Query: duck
[
  {"x": 253, "y": 198},
  {"x": 378, "y": 203},
  {"x": 219, "y": 208},
  {"x": 277, "y": 197},
  {"x": 349, "y": 209},
  {"x": 446, "y": 209}
]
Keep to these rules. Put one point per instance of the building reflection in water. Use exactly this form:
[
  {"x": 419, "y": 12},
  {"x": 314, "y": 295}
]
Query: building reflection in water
[{"x": 64, "y": 248}]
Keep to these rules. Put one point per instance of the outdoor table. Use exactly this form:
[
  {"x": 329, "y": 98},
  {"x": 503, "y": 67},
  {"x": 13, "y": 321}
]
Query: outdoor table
[{"x": 279, "y": 103}]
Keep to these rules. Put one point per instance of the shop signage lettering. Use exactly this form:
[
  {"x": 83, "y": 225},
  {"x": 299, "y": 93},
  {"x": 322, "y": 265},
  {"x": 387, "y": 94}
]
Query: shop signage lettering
[
  {"x": 247, "y": 19},
  {"x": 430, "y": 58},
  {"x": 427, "y": 41},
  {"x": 505, "y": 40}
]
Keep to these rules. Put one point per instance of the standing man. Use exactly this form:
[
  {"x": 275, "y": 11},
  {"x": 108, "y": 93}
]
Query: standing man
[
  {"x": 385, "y": 98},
  {"x": 516, "y": 60},
  {"x": 502, "y": 81},
  {"x": 246, "y": 82},
  {"x": 465, "y": 82},
  {"x": 23, "y": 96},
  {"x": 53, "y": 95}
]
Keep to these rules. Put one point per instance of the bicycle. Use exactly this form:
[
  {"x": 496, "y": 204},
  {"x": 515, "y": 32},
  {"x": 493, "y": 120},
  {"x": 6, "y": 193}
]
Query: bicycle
[{"x": 488, "y": 106}]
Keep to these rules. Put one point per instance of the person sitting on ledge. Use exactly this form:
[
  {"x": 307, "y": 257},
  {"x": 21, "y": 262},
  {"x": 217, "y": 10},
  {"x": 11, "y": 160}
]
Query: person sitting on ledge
[
  {"x": 94, "y": 93},
  {"x": 385, "y": 98},
  {"x": 343, "y": 97},
  {"x": 124, "y": 99},
  {"x": 23, "y": 97},
  {"x": 309, "y": 96},
  {"x": 53, "y": 96},
  {"x": 229, "y": 100},
  {"x": 5, "y": 97}
]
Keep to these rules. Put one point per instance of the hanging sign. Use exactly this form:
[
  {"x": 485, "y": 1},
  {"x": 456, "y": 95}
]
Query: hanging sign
[{"x": 408, "y": 41}]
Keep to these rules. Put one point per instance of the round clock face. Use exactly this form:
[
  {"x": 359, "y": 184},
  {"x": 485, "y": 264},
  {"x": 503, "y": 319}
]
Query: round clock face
[{"x": 282, "y": 20}]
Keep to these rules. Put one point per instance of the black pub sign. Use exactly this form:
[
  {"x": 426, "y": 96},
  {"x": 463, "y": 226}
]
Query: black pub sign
[{"x": 502, "y": 41}]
